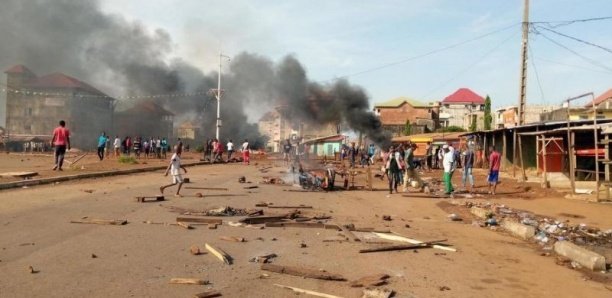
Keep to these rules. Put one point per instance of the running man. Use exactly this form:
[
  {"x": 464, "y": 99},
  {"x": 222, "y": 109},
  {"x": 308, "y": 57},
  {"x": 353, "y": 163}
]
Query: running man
[
  {"x": 174, "y": 168},
  {"x": 102, "y": 145},
  {"x": 61, "y": 141}
]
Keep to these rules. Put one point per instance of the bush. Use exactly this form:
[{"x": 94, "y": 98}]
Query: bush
[{"x": 130, "y": 160}]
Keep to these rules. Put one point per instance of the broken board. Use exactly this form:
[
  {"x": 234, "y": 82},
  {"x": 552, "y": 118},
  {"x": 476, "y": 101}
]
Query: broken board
[
  {"x": 144, "y": 199},
  {"x": 200, "y": 220},
  {"x": 114, "y": 222}
]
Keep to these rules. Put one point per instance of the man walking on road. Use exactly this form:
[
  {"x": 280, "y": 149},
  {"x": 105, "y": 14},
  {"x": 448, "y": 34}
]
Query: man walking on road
[
  {"x": 101, "y": 145},
  {"x": 230, "y": 150},
  {"x": 117, "y": 146},
  {"x": 61, "y": 141},
  {"x": 447, "y": 164},
  {"x": 494, "y": 165},
  {"x": 468, "y": 164}
]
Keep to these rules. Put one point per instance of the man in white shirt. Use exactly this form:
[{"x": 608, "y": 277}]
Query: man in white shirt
[
  {"x": 447, "y": 163},
  {"x": 117, "y": 145},
  {"x": 230, "y": 150},
  {"x": 175, "y": 170},
  {"x": 246, "y": 152}
]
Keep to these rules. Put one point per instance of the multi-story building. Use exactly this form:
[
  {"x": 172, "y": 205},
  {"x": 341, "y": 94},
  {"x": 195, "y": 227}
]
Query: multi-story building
[
  {"x": 35, "y": 105},
  {"x": 144, "y": 119},
  {"x": 394, "y": 114},
  {"x": 278, "y": 128},
  {"x": 508, "y": 117},
  {"x": 462, "y": 108}
]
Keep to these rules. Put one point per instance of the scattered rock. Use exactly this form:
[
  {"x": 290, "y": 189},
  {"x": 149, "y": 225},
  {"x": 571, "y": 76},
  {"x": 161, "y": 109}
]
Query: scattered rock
[
  {"x": 199, "y": 195},
  {"x": 444, "y": 288},
  {"x": 93, "y": 256},
  {"x": 386, "y": 217},
  {"x": 32, "y": 270}
]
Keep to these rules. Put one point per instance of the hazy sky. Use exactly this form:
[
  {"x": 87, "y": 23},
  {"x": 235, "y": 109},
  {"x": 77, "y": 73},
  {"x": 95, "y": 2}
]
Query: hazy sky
[{"x": 339, "y": 38}]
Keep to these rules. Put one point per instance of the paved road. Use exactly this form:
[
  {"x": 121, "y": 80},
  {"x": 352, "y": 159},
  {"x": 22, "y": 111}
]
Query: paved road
[{"x": 138, "y": 260}]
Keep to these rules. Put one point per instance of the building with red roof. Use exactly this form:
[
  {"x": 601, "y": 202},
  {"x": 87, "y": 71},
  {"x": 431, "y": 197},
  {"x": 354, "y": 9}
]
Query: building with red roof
[
  {"x": 603, "y": 101},
  {"x": 35, "y": 105},
  {"x": 462, "y": 108}
]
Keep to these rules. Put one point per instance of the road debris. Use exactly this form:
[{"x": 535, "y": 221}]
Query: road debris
[
  {"x": 370, "y": 281},
  {"x": 395, "y": 237},
  {"x": 32, "y": 270},
  {"x": 207, "y": 294},
  {"x": 115, "y": 222},
  {"x": 308, "y": 292},
  {"x": 232, "y": 239},
  {"x": 143, "y": 199},
  {"x": 199, "y": 220},
  {"x": 263, "y": 259},
  {"x": 195, "y": 250},
  {"x": 428, "y": 244},
  {"x": 303, "y": 272},
  {"x": 220, "y": 254},
  {"x": 377, "y": 293},
  {"x": 188, "y": 281},
  {"x": 205, "y": 188}
]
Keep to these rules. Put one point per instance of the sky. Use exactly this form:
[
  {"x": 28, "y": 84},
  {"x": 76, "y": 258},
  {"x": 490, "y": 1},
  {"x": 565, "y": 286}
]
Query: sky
[
  {"x": 357, "y": 39},
  {"x": 424, "y": 50}
]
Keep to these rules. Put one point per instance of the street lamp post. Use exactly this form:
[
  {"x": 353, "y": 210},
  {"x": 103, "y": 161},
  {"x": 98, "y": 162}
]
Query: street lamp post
[{"x": 218, "y": 94}]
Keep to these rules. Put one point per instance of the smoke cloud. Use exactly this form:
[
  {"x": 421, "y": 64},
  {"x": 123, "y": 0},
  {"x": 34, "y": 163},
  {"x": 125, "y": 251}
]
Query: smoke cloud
[{"x": 127, "y": 58}]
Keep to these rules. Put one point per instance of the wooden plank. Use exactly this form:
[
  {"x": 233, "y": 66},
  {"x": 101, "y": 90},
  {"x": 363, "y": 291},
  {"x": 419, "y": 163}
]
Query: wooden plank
[
  {"x": 295, "y": 225},
  {"x": 206, "y": 188},
  {"x": 262, "y": 219},
  {"x": 377, "y": 230},
  {"x": 370, "y": 281},
  {"x": 377, "y": 293},
  {"x": 349, "y": 234},
  {"x": 184, "y": 225},
  {"x": 198, "y": 219},
  {"x": 188, "y": 281},
  {"x": 303, "y": 272},
  {"x": 207, "y": 294},
  {"x": 143, "y": 199},
  {"x": 232, "y": 238},
  {"x": 220, "y": 254},
  {"x": 394, "y": 237},
  {"x": 18, "y": 174},
  {"x": 115, "y": 222},
  {"x": 291, "y": 207},
  {"x": 308, "y": 292},
  {"x": 400, "y": 247}
]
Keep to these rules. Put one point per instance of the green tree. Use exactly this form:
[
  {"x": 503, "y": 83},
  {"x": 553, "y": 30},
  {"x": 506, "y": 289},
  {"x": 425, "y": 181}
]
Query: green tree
[
  {"x": 452, "y": 128},
  {"x": 407, "y": 128},
  {"x": 488, "y": 118}
]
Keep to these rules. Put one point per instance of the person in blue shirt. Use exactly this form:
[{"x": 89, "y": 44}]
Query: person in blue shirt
[{"x": 101, "y": 145}]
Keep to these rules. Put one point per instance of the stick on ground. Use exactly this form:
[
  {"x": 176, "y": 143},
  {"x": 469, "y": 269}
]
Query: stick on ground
[
  {"x": 220, "y": 254},
  {"x": 309, "y": 292},
  {"x": 116, "y": 222},
  {"x": 303, "y": 272},
  {"x": 188, "y": 281}
]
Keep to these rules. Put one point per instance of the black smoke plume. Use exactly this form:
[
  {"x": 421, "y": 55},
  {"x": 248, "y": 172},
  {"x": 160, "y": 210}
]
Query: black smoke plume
[{"x": 122, "y": 57}]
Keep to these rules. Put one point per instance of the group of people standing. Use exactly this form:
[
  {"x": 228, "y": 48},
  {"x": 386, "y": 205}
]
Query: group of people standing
[
  {"x": 147, "y": 147},
  {"x": 354, "y": 154},
  {"x": 400, "y": 166},
  {"x": 214, "y": 149}
]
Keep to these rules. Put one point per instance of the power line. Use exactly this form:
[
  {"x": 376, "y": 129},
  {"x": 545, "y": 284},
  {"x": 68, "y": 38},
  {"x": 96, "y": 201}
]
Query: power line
[
  {"x": 591, "y": 61},
  {"x": 480, "y": 59},
  {"x": 556, "y": 24},
  {"x": 575, "y": 66},
  {"x": 536, "y": 73},
  {"x": 423, "y": 55},
  {"x": 577, "y": 39}
]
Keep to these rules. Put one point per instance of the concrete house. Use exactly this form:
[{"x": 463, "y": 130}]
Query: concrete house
[
  {"x": 462, "y": 108},
  {"x": 35, "y": 105},
  {"x": 395, "y": 112}
]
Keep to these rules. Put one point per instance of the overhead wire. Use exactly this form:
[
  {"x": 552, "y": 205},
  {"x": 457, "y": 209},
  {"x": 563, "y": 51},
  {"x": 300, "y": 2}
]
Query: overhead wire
[
  {"x": 390, "y": 64},
  {"x": 570, "y": 22},
  {"x": 574, "y": 66},
  {"x": 576, "y": 39},
  {"x": 480, "y": 59},
  {"x": 591, "y": 61},
  {"x": 536, "y": 73}
]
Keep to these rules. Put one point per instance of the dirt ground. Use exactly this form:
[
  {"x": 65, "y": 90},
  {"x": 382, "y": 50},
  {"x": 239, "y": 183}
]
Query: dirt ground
[{"x": 139, "y": 259}]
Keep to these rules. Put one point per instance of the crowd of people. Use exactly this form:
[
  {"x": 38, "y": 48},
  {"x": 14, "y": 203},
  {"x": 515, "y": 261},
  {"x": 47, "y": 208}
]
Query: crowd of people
[
  {"x": 152, "y": 147},
  {"x": 400, "y": 166}
]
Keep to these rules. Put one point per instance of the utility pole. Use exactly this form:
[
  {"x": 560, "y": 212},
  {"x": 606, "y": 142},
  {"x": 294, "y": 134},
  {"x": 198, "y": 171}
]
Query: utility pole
[
  {"x": 218, "y": 92},
  {"x": 523, "y": 87},
  {"x": 524, "y": 46}
]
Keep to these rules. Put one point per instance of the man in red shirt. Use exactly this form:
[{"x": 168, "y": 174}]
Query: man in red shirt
[
  {"x": 494, "y": 164},
  {"x": 61, "y": 141}
]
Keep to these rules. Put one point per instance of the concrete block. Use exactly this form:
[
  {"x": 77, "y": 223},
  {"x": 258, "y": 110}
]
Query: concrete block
[
  {"x": 582, "y": 256},
  {"x": 518, "y": 229},
  {"x": 480, "y": 212}
]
